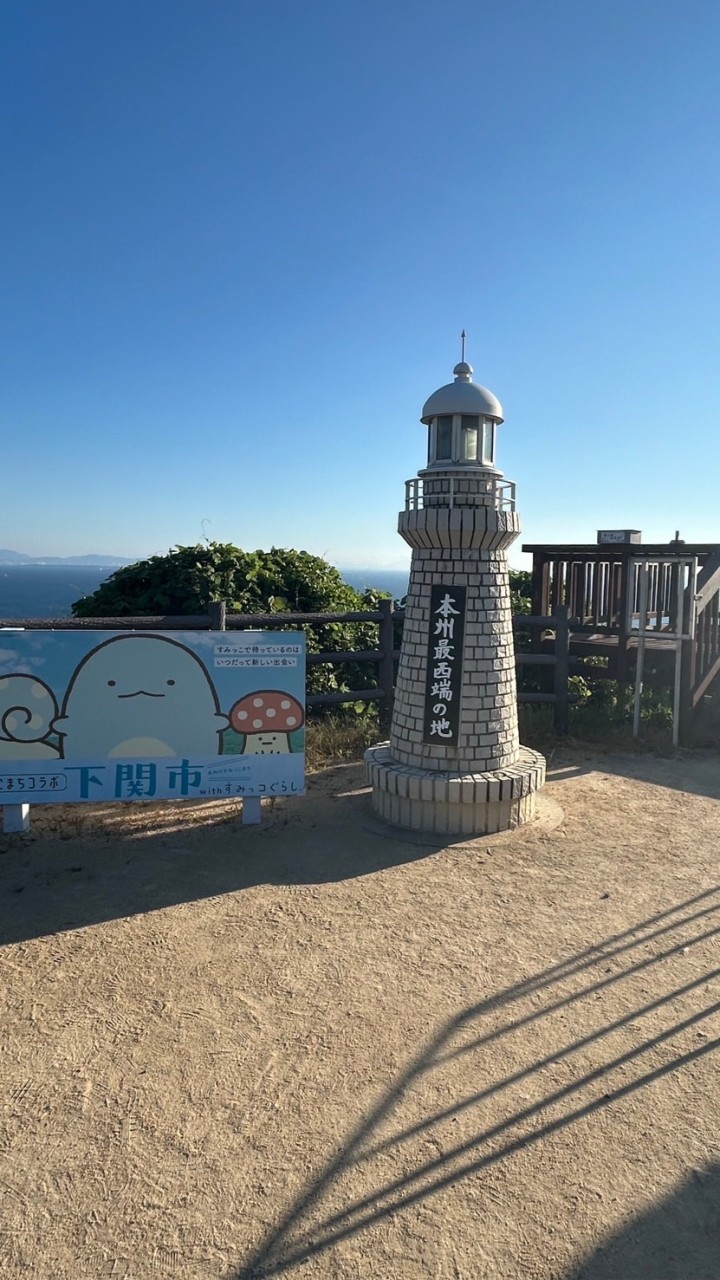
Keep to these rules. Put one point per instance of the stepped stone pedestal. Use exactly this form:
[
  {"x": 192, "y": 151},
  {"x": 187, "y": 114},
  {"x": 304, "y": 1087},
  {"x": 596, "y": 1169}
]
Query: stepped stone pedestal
[
  {"x": 454, "y": 764},
  {"x": 452, "y": 803}
]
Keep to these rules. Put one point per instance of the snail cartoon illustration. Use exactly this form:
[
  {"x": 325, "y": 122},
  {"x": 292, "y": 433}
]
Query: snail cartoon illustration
[
  {"x": 27, "y": 710},
  {"x": 140, "y": 695},
  {"x": 267, "y": 718}
]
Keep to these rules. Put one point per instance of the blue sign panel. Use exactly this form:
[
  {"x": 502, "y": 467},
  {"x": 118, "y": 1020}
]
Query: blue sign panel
[{"x": 138, "y": 715}]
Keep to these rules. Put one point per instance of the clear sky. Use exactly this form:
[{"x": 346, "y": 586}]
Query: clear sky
[{"x": 239, "y": 241}]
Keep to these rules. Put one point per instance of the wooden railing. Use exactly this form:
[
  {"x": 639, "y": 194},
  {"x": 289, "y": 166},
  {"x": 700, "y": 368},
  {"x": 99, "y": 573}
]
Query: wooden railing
[
  {"x": 559, "y": 696},
  {"x": 219, "y": 619},
  {"x": 383, "y": 658},
  {"x": 602, "y": 585}
]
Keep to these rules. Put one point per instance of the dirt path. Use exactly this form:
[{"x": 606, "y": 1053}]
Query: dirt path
[{"x": 324, "y": 1049}]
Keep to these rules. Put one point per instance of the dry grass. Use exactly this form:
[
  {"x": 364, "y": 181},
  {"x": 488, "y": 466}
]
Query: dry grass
[{"x": 339, "y": 737}]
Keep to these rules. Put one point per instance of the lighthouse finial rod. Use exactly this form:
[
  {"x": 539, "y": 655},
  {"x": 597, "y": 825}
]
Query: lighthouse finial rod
[{"x": 463, "y": 336}]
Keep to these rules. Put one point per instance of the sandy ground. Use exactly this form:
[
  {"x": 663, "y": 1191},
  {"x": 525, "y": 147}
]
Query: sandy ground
[{"x": 323, "y": 1048}]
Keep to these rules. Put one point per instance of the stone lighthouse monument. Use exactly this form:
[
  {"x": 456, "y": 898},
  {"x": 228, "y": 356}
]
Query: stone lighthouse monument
[{"x": 454, "y": 763}]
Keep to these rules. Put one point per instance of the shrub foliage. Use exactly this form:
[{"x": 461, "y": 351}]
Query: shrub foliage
[{"x": 188, "y": 579}]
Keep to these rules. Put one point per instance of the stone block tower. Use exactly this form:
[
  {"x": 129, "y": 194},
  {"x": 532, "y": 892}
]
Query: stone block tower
[{"x": 454, "y": 763}]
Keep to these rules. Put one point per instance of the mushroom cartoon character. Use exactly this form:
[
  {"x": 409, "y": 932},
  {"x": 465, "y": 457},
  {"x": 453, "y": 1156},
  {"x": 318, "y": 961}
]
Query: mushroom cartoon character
[{"x": 267, "y": 718}]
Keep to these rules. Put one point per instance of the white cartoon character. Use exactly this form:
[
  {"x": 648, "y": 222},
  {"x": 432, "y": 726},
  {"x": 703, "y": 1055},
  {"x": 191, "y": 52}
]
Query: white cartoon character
[
  {"x": 140, "y": 695},
  {"x": 27, "y": 710}
]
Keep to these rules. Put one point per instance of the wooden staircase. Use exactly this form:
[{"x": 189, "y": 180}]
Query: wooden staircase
[{"x": 700, "y": 688}]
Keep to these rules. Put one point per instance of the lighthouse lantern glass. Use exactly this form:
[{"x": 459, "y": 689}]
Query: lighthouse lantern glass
[
  {"x": 443, "y": 448},
  {"x": 469, "y": 428},
  {"x": 488, "y": 445}
]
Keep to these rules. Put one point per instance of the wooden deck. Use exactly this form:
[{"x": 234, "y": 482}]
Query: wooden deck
[{"x": 670, "y": 591}]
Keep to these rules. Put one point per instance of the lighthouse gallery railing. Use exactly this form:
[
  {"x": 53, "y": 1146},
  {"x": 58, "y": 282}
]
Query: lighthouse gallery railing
[{"x": 501, "y": 493}]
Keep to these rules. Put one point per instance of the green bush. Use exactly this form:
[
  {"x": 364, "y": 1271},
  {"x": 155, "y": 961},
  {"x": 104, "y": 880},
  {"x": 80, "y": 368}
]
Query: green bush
[
  {"x": 520, "y": 591},
  {"x": 188, "y": 579}
]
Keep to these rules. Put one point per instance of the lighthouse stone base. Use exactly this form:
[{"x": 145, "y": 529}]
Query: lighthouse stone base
[{"x": 453, "y": 803}]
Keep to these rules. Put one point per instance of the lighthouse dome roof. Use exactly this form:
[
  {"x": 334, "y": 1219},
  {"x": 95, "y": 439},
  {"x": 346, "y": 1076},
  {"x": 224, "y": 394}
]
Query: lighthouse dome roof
[{"x": 462, "y": 396}]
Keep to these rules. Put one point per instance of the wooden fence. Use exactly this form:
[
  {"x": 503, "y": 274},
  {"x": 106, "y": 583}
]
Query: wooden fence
[{"x": 384, "y": 657}]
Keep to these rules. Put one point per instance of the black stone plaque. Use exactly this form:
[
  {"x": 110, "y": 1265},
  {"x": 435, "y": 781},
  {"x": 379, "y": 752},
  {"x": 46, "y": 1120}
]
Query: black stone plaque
[{"x": 444, "y": 664}]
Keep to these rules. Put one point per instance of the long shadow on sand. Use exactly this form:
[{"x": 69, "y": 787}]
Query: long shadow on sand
[
  {"x": 678, "y": 1239},
  {"x": 654, "y": 1038}
]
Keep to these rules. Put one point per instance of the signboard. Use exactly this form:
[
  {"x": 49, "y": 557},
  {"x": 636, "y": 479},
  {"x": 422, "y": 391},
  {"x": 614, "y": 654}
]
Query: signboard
[
  {"x": 444, "y": 664},
  {"x": 137, "y": 715},
  {"x": 613, "y": 536}
]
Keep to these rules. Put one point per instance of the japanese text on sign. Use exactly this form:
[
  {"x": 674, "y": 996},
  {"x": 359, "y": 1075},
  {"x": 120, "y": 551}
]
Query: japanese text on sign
[
  {"x": 444, "y": 664},
  {"x": 248, "y": 652}
]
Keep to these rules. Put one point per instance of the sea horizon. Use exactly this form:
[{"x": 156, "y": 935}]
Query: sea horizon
[{"x": 39, "y": 590}]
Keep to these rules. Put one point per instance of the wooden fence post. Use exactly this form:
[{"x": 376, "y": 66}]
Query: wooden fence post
[
  {"x": 623, "y": 652},
  {"x": 561, "y": 669},
  {"x": 687, "y": 679},
  {"x": 386, "y": 666},
  {"x": 217, "y": 611}
]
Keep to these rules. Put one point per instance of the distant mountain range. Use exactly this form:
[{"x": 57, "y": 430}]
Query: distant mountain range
[{"x": 19, "y": 557}]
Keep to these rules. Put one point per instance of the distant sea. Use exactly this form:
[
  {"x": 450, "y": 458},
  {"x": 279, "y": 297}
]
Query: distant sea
[
  {"x": 393, "y": 580},
  {"x": 48, "y": 591}
]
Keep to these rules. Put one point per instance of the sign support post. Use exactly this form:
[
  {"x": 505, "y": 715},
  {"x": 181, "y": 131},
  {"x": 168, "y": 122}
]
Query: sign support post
[
  {"x": 16, "y": 818},
  {"x": 251, "y": 811}
]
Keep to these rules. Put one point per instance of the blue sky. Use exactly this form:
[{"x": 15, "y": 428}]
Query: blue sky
[{"x": 240, "y": 241}]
